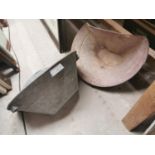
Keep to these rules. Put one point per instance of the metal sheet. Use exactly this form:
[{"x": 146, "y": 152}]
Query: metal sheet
[
  {"x": 107, "y": 58},
  {"x": 50, "y": 89}
]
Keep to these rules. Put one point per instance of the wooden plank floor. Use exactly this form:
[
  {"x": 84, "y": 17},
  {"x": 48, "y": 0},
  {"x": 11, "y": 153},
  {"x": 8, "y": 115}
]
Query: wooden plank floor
[{"x": 98, "y": 111}]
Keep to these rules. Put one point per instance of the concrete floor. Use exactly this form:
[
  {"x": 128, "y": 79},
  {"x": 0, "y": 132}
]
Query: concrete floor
[{"x": 98, "y": 111}]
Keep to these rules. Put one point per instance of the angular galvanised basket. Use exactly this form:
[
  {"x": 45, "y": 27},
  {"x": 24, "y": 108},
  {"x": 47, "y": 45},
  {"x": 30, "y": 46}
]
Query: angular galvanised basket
[{"x": 50, "y": 89}]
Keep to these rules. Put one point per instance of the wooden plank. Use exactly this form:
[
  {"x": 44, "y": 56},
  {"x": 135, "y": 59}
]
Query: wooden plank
[
  {"x": 9, "y": 60},
  {"x": 142, "y": 24},
  {"x": 5, "y": 82},
  {"x": 117, "y": 27},
  {"x": 5, "y": 56},
  {"x": 143, "y": 110},
  {"x": 3, "y": 90},
  {"x": 148, "y": 23}
]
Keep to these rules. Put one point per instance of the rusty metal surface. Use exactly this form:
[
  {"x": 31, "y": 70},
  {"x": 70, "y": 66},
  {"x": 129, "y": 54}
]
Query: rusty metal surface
[
  {"x": 50, "y": 89},
  {"x": 107, "y": 58}
]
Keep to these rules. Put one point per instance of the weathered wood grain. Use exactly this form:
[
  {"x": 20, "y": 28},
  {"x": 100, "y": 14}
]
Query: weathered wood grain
[
  {"x": 5, "y": 82},
  {"x": 143, "y": 110},
  {"x": 3, "y": 90}
]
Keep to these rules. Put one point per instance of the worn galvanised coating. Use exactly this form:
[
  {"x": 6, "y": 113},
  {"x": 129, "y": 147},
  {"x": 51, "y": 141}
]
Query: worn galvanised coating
[
  {"x": 108, "y": 58},
  {"x": 50, "y": 89}
]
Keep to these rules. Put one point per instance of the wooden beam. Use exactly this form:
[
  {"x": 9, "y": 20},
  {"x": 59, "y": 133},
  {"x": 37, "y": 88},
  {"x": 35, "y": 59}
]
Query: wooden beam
[
  {"x": 142, "y": 23},
  {"x": 3, "y": 91},
  {"x": 5, "y": 82},
  {"x": 117, "y": 27},
  {"x": 5, "y": 56},
  {"x": 143, "y": 110}
]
